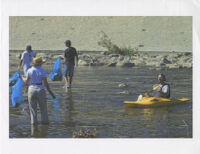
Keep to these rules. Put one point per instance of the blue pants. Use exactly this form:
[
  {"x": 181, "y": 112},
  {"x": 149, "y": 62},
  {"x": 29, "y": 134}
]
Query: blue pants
[{"x": 68, "y": 70}]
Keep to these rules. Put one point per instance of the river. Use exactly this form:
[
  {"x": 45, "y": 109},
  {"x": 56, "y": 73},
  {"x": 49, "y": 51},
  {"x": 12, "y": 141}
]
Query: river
[{"x": 95, "y": 102}]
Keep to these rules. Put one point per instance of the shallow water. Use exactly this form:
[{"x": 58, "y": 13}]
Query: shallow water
[{"x": 95, "y": 102}]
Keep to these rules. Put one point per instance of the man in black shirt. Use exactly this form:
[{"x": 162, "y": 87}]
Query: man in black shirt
[{"x": 69, "y": 62}]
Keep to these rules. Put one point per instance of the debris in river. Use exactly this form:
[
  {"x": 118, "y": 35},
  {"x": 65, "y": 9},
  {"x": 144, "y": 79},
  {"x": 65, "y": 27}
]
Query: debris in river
[
  {"x": 122, "y": 85},
  {"x": 85, "y": 133},
  {"x": 125, "y": 92}
]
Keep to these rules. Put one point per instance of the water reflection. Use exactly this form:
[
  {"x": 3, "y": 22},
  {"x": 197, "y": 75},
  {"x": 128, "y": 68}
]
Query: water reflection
[
  {"x": 148, "y": 114},
  {"x": 39, "y": 130},
  {"x": 55, "y": 108},
  {"x": 68, "y": 120}
]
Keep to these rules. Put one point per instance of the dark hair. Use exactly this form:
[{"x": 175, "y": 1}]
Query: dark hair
[
  {"x": 28, "y": 47},
  {"x": 68, "y": 42},
  {"x": 163, "y": 76}
]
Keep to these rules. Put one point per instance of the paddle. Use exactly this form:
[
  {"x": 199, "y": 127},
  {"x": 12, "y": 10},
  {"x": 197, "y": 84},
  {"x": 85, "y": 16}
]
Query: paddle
[{"x": 156, "y": 87}]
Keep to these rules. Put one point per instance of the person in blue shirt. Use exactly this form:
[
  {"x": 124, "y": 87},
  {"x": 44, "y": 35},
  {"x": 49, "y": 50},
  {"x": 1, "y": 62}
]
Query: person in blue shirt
[
  {"x": 37, "y": 79},
  {"x": 26, "y": 59},
  {"x": 69, "y": 62}
]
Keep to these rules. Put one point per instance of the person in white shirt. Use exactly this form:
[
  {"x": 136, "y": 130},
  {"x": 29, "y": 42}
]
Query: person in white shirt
[
  {"x": 26, "y": 59},
  {"x": 162, "y": 89},
  {"x": 37, "y": 78}
]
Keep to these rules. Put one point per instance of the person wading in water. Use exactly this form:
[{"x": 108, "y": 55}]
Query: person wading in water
[
  {"x": 69, "y": 62},
  {"x": 36, "y": 76},
  {"x": 26, "y": 59}
]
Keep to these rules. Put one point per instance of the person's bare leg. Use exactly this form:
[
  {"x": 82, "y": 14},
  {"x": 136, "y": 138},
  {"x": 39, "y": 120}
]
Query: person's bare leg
[{"x": 67, "y": 81}]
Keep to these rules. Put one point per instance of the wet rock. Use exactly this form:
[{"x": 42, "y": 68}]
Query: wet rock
[
  {"x": 166, "y": 61},
  {"x": 160, "y": 61},
  {"x": 187, "y": 54},
  {"x": 86, "y": 57},
  {"x": 114, "y": 55},
  {"x": 184, "y": 59},
  {"x": 104, "y": 60},
  {"x": 186, "y": 65},
  {"x": 139, "y": 62},
  {"x": 83, "y": 63},
  {"x": 105, "y": 53},
  {"x": 113, "y": 59},
  {"x": 152, "y": 63},
  {"x": 172, "y": 58},
  {"x": 120, "y": 63},
  {"x": 128, "y": 64},
  {"x": 122, "y": 85},
  {"x": 179, "y": 55},
  {"x": 125, "y": 92},
  {"x": 159, "y": 57},
  {"x": 125, "y": 64},
  {"x": 172, "y": 66},
  {"x": 121, "y": 58},
  {"x": 97, "y": 63},
  {"x": 162, "y": 64},
  {"x": 112, "y": 64},
  {"x": 127, "y": 58},
  {"x": 43, "y": 55}
]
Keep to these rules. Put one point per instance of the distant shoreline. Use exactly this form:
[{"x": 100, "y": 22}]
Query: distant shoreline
[
  {"x": 154, "y": 59},
  {"x": 83, "y": 51}
]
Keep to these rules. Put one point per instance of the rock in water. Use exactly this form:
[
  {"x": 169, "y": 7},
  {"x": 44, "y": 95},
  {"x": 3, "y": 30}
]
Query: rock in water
[
  {"x": 126, "y": 92},
  {"x": 83, "y": 63},
  {"x": 112, "y": 64},
  {"x": 122, "y": 85}
]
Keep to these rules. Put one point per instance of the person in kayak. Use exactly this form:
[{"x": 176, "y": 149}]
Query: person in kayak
[
  {"x": 36, "y": 76},
  {"x": 69, "y": 62},
  {"x": 162, "y": 89}
]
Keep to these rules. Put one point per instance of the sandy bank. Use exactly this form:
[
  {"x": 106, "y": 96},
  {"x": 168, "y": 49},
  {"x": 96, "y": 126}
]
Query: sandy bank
[{"x": 146, "y": 33}]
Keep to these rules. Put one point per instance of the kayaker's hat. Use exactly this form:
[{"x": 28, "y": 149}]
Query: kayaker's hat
[
  {"x": 68, "y": 42},
  {"x": 37, "y": 61},
  {"x": 28, "y": 47}
]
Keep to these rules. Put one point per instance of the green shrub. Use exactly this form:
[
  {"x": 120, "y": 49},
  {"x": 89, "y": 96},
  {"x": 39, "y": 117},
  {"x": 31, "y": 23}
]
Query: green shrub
[{"x": 106, "y": 42}]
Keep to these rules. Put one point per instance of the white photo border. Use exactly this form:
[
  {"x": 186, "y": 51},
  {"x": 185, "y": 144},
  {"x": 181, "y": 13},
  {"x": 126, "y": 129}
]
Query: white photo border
[{"x": 98, "y": 8}]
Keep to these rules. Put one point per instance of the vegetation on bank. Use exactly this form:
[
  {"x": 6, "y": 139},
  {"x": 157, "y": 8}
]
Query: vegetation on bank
[{"x": 106, "y": 42}]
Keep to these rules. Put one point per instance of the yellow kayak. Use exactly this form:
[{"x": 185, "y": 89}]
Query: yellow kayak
[{"x": 155, "y": 102}]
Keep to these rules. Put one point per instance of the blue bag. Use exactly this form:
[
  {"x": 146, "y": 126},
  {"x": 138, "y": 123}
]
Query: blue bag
[
  {"x": 17, "y": 97},
  {"x": 13, "y": 79},
  {"x": 56, "y": 73}
]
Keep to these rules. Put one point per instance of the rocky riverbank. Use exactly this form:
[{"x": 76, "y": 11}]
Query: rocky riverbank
[{"x": 171, "y": 60}]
